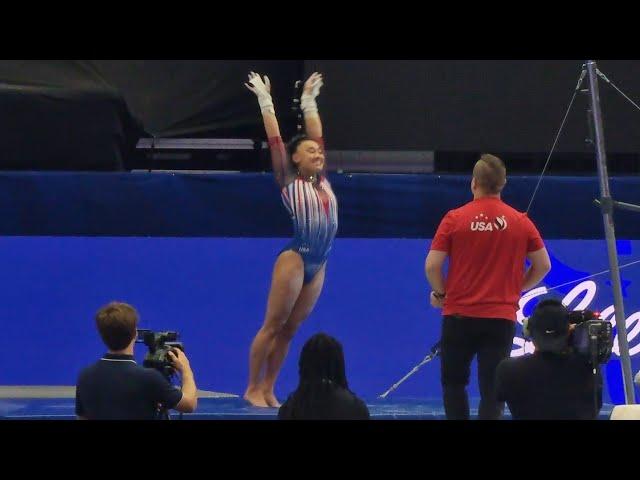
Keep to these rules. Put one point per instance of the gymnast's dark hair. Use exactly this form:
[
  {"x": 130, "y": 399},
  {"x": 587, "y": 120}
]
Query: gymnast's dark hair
[
  {"x": 321, "y": 370},
  {"x": 292, "y": 146}
]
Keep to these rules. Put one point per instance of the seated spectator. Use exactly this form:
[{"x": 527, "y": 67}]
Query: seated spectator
[
  {"x": 322, "y": 393},
  {"x": 555, "y": 382}
]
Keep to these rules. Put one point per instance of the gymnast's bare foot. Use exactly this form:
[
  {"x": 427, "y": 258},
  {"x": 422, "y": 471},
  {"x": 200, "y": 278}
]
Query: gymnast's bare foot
[
  {"x": 255, "y": 398},
  {"x": 271, "y": 399}
]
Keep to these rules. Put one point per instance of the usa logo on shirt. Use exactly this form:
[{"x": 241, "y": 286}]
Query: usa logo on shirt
[{"x": 482, "y": 224}]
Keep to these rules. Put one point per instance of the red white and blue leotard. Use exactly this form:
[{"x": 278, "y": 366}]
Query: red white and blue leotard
[{"x": 314, "y": 217}]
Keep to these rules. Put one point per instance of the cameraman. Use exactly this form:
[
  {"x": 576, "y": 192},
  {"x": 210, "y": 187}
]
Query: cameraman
[
  {"x": 116, "y": 387},
  {"x": 555, "y": 382}
]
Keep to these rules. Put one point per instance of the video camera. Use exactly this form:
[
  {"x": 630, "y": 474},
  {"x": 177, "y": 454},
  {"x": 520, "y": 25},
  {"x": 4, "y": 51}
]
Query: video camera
[
  {"x": 591, "y": 336},
  {"x": 159, "y": 345}
]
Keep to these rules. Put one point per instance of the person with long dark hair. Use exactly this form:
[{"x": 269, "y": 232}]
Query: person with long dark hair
[
  {"x": 298, "y": 274},
  {"x": 323, "y": 392}
]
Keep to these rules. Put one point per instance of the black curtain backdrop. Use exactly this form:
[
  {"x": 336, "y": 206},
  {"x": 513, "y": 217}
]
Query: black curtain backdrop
[
  {"x": 479, "y": 105},
  {"x": 89, "y": 114},
  {"x": 443, "y": 105},
  {"x": 191, "y": 98},
  {"x": 172, "y": 98},
  {"x": 61, "y": 128}
]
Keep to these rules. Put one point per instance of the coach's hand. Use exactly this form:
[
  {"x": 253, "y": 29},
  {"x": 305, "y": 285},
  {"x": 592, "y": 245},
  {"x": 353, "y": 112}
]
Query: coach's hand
[{"x": 435, "y": 301}]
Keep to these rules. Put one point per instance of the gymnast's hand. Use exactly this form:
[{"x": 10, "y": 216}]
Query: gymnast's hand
[
  {"x": 312, "y": 86},
  {"x": 258, "y": 86},
  {"x": 309, "y": 93},
  {"x": 262, "y": 91}
]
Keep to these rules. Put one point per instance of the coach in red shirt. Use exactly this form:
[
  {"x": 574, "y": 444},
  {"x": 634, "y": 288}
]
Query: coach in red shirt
[{"x": 487, "y": 243}]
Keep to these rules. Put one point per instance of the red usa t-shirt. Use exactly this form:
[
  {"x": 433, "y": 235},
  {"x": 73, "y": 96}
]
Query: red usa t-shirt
[{"x": 487, "y": 242}]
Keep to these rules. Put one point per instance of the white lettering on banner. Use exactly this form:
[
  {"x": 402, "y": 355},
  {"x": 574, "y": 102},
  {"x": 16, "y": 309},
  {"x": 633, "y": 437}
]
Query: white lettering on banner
[
  {"x": 530, "y": 295},
  {"x": 589, "y": 289}
]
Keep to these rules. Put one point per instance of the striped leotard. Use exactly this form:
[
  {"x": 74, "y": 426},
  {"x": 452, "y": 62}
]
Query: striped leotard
[{"x": 314, "y": 216}]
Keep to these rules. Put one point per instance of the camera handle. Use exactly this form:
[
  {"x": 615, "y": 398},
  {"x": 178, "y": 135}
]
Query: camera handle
[{"x": 163, "y": 412}]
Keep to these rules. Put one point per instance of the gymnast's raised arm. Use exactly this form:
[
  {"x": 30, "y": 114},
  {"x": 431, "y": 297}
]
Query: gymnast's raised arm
[{"x": 282, "y": 168}]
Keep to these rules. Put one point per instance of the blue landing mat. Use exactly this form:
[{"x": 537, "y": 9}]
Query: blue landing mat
[{"x": 237, "y": 409}]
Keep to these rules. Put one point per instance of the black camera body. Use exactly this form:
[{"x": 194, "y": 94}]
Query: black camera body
[
  {"x": 159, "y": 344},
  {"x": 591, "y": 337}
]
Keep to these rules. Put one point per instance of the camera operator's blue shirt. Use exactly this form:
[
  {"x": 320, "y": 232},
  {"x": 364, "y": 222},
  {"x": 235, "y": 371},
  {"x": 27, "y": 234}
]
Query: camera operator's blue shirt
[{"x": 117, "y": 388}]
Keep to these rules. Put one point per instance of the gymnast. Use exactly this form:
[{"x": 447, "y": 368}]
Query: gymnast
[{"x": 299, "y": 270}]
